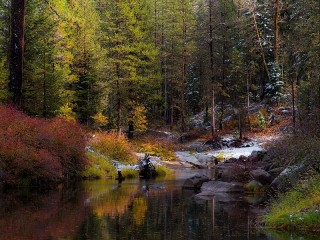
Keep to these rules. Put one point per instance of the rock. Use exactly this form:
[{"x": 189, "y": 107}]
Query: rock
[
  {"x": 220, "y": 167},
  {"x": 275, "y": 171},
  {"x": 195, "y": 182},
  {"x": 256, "y": 156},
  {"x": 220, "y": 197},
  {"x": 261, "y": 176},
  {"x": 208, "y": 161},
  {"x": 234, "y": 173},
  {"x": 213, "y": 187},
  {"x": 243, "y": 158},
  {"x": 189, "y": 158},
  {"x": 288, "y": 177}
]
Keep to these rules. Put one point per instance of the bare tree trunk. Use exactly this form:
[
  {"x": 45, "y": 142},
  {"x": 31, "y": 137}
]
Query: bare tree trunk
[
  {"x": 293, "y": 104},
  {"x": 17, "y": 50},
  {"x": 248, "y": 98},
  {"x": 213, "y": 122},
  {"x": 276, "y": 31},
  {"x": 44, "y": 113},
  {"x": 253, "y": 10},
  {"x": 184, "y": 73},
  {"x": 213, "y": 127}
]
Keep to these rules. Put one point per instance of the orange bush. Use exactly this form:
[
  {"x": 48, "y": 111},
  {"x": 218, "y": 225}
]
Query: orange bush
[
  {"x": 37, "y": 151},
  {"x": 114, "y": 146}
]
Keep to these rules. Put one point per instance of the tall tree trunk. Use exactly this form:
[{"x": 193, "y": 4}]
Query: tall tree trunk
[
  {"x": 45, "y": 111},
  {"x": 17, "y": 50},
  {"x": 184, "y": 72},
  {"x": 276, "y": 30},
  {"x": 213, "y": 122},
  {"x": 293, "y": 103},
  {"x": 253, "y": 10}
]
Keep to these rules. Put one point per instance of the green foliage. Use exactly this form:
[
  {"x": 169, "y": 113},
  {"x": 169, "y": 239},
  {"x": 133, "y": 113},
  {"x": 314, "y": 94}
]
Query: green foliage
[
  {"x": 98, "y": 167},
  {"x": 261, "y": 120}
]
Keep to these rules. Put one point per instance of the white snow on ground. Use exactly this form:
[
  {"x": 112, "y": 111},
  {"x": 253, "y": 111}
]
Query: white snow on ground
[{"x": 235, "y": 152}]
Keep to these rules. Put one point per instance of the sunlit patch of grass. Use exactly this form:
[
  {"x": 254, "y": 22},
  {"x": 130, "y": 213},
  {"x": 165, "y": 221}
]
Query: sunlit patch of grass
[
  {"x": 163, "y": 171},
  {"x": 98, "y": 167},
  {"x": 130, "y": 173},
  {"x": 299, "y": 208}
]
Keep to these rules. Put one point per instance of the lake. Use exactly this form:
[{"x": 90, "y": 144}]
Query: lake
[{"x": 133, "y": 209}]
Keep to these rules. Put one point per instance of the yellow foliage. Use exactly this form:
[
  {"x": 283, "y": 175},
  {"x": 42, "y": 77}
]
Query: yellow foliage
[
  {"x": 100, "y": 120},
  {"x": 114, "y": 146},
  {"x": 66, "y": 112},
  {"x": 114, "y": 202},
  {"x": 140, "y": 208},
  {"x": 158, "y": 149},
  {"x": 139, "y": 119}
]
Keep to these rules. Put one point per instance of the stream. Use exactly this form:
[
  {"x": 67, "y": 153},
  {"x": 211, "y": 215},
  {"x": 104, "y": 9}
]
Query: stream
[{"x": 133, "y": 209}]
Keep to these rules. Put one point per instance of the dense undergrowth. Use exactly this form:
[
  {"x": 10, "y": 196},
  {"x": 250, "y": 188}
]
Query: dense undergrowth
[
  {"x": 35, "y": 151},
  {"x": 108, "y": 147}
]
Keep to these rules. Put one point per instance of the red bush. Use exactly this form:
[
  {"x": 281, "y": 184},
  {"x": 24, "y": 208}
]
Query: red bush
[{"x": 38, "y": 151}]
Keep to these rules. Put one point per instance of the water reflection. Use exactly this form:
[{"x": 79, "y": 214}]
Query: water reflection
[{"x": 131, "y": 210}]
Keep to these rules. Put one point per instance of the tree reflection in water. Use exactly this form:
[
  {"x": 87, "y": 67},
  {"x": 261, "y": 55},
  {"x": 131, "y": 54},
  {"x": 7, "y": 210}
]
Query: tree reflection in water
[{"x": 103, "y": 210}]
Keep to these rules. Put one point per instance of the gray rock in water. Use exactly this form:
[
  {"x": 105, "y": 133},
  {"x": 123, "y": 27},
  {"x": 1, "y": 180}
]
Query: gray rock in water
[
  {"x": 195, "y": 182},
  {"x": 261, "y": 176},
  {"x": 213, "y": 187},
  {"x": 234, "y": 173}
]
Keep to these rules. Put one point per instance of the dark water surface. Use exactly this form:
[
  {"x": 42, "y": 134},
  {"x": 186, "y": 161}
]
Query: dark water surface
[{"x": 133, "y": 209}]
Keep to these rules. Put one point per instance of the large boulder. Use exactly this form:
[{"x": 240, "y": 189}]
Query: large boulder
[
  {"x": 256, "y": 156},
  {"x": 288, "y": 177},
  {"x": 195, "y": 182},
  {"x": 214, "y": 187},
  {"x": 261, "y": 176},
  {"x": 208, "y": 161},
  {"x": 235, "y": 173},
  {"x": 185, "y": 157}
]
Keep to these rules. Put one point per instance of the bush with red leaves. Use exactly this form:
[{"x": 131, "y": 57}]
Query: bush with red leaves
[{"x": 39, "y": 152}]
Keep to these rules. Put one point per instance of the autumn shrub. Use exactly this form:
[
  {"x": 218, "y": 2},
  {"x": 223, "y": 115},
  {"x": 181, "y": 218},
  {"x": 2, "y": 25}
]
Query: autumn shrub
[
  {"x": 113, "y": 146},
  {"x": 37, "y": 151},
  {"x": 154, "y": 146}
]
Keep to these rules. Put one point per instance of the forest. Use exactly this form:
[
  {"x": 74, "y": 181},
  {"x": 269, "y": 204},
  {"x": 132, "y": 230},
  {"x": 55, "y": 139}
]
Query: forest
[
  {"x": 87, "y": 87},
  {"x": 112, "y": 63}
]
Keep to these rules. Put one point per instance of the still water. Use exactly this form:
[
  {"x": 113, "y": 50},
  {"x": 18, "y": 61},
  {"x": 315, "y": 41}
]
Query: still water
[{"x": 133, "y": 209}]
